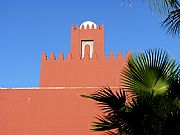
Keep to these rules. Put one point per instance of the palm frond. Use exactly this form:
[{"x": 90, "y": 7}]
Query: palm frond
[
  {"x": 136, "y": 116},
  {"x": 154, "y": 80},
  {"x": 145, "y": 116},
  {"x": 150, "y": 71},
  {"x": 163, "y": 6},
  {"x": 175, "y": 4},
  {"x": 113, "y": 104},
  {"x": 171, "y": 9},
  {"x": 104, "y": 124},
  {"x": 172, "y": 23},
  {"x": 108, "y": 100}
]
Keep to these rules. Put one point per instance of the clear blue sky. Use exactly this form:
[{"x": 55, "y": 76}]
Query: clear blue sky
[{"x": 29, "y": 27}]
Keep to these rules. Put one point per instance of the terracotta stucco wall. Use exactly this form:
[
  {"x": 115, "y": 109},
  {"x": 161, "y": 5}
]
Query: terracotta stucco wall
[
  {"x": 81, "y": 72},
  {"x": 46, "y": 111},
  {"x": 76, "y": 70}
]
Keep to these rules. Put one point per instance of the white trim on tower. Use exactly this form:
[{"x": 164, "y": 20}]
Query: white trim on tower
[{"x": 83, "y": 44}]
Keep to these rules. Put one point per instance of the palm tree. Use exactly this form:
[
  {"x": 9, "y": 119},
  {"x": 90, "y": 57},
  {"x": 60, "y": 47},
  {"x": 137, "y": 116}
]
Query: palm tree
[
  {"x": 169, "y": 8},
  {"x": 172, "y": 22},
  {"x": 153, "y": 105},
  {"x": 172, "y": 8}
]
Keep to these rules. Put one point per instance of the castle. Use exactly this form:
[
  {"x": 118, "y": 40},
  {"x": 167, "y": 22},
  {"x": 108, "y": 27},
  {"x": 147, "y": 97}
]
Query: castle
[
  {"x": 55, "y": 108},
  {"x": 86, "y": 64}
]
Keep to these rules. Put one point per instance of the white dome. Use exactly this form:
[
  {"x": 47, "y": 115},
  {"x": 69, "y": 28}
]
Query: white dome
[{"x": 90, "y": 23}]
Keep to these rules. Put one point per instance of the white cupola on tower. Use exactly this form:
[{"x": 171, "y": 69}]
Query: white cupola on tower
[{"x": 90, "y": 23}]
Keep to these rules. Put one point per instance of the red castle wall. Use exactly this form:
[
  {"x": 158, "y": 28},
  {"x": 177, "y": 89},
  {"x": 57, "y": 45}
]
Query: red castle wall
[
  {"x": 54, "y": 110},
  {"x": 46, "y": 111},
  {"x": 86, "y": 71}
]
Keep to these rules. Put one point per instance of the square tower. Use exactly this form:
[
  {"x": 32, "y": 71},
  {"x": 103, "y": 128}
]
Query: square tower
[
  {"x": 86, "y": 64},
  {"x": 88, "y": 34}
]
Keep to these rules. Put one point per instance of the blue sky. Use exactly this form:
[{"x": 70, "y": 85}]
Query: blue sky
[{"x": 27, "y": 28}]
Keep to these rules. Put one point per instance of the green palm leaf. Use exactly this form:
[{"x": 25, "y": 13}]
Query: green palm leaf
[
  {"x": 137, "y": 116},
  {"x": 163, "y": 6},
  {"x": 172, "y": 22},
  {"x": 150, "y": 71},
  {"x": 143, "y": 117},
  {"x": 154, "y": 105},
  {"x": 170, "y": 8},
  {"x": 109, "y": 101},
  {"x": 113, "y": 104}
]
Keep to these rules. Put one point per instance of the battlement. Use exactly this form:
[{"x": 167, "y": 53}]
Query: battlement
[
  {"x": 70, "y": 57},
  {"x": 81, "y": 72},
  {"x": 88, "y": 27},
  {"x": 86, "y": 65}
]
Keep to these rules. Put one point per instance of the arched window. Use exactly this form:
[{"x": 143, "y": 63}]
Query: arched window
[{"x": 83, "y": 44}]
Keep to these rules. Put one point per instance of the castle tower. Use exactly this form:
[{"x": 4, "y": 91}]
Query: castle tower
[
  {"x": 86, "y": 64},
  {"x": 88, "y": 34},
  {"x": 55, "y": 107}
]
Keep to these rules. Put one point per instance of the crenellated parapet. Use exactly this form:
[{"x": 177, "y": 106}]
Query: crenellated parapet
[
  {"x": 86, "y": 65},
  {"x": 70, "y": 57},
  {"x": 87, "y": 27},
  {"x": 56, "y": 71}
]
